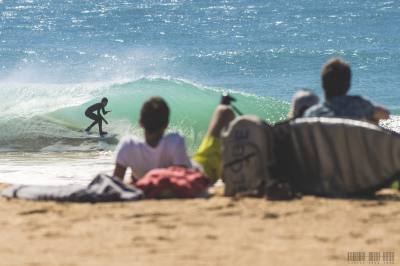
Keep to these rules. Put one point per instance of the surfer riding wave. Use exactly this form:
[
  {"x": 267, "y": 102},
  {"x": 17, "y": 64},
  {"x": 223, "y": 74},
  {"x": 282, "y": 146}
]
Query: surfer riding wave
[{"x": 97, "y": 117}]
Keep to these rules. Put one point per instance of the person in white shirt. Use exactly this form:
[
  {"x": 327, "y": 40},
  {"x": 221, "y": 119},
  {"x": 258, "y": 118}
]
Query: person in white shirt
[
  {"x": 161, "y": 151},
  {"x": 157, "y": 150}
]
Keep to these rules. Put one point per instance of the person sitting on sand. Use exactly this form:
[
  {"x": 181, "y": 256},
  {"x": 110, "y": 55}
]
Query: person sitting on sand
[
  {"x": 301, "y": 101},
  {"x": 160, "y": 151},
  {"x": 336, "y": 81},
  {"x": 209, "y": 155},
  {"x": 98, "y": 118}
]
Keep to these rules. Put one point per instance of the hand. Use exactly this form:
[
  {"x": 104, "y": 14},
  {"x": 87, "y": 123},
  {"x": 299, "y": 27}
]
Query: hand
[{"x": 380, "y": 113}]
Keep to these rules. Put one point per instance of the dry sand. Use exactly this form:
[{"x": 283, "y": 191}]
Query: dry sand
[{"x": 216, "y": 231}]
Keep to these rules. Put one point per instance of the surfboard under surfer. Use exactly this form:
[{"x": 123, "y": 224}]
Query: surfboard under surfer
[{"x": 97, "y": 117}]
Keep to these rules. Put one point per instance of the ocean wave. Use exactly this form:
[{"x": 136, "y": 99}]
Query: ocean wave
[{"x": 51, "y": 117}]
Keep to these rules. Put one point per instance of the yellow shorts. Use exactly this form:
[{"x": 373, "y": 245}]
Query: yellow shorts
[{"x": 209, "y": 156}]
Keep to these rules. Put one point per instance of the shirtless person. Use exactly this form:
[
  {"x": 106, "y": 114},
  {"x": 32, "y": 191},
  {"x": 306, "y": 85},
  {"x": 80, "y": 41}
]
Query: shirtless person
[{"x": 98, "y": 118}]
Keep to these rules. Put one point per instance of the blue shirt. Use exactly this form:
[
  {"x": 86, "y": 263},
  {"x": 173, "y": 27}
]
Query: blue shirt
[{"x": 346, "y": 106}]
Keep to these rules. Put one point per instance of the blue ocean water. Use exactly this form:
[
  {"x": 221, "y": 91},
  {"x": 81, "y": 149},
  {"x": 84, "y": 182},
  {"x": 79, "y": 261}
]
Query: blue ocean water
[{"x": 57, "y": 57}]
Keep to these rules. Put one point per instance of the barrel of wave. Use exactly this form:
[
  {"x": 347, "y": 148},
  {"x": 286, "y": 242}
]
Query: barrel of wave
[{"x": 191, "y": 107}]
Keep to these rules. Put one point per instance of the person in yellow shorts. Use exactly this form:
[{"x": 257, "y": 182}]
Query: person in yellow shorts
[{"x": 208, "y": 156}]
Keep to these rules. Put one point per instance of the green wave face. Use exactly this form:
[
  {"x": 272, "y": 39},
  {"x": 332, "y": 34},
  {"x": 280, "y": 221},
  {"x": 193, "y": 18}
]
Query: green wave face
[
  {"x": 52, "y": 120},
  {"x": 191, "y": 107}
]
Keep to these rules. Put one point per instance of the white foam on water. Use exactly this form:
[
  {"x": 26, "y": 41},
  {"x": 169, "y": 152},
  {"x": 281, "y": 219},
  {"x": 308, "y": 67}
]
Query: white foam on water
[
  {"x": 393, "y": 123},
  {"x": 53, "y": 168}
]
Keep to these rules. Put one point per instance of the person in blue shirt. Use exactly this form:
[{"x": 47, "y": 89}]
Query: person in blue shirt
[
  {"x": 336, "y": 82},
  {"x": 93, "y": 112}
]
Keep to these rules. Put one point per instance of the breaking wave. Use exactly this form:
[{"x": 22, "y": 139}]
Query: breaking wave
[{"x": 51, "y": 117}]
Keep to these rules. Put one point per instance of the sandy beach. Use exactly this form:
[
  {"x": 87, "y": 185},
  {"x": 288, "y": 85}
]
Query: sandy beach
[{"x": 215, "y": 231}]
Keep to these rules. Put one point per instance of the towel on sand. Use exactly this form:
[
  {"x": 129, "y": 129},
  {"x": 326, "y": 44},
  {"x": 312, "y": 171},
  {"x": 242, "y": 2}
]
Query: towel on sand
[{"x": 103, "y": 188}]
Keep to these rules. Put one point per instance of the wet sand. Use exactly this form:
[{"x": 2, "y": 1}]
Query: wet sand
[{"x": 215, "y": 231}]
